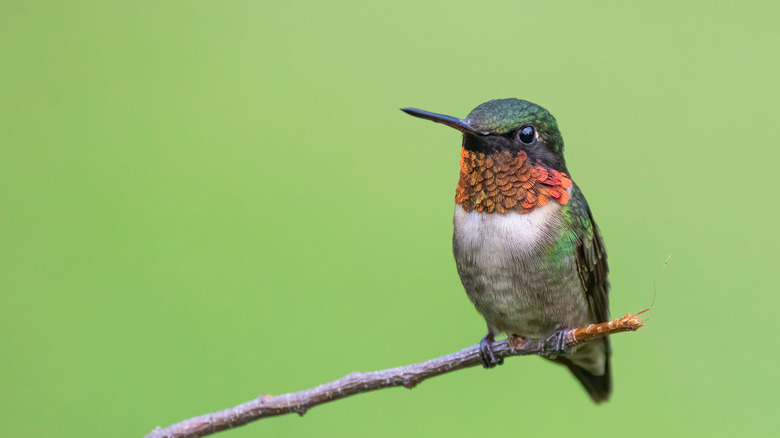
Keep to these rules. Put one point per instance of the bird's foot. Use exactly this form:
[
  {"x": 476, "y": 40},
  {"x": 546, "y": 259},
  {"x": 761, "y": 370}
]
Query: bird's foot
[
  {"x": 555, "y": 345},
  {"x": 486, "y": 352}
]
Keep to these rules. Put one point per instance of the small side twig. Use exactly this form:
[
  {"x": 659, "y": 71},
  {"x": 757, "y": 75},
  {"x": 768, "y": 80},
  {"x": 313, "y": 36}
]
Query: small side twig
[{"x": 408, "y": 376}]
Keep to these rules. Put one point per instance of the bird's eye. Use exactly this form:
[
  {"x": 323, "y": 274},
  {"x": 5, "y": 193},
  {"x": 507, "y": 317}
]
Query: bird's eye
[{"x": 526, "y": 134}]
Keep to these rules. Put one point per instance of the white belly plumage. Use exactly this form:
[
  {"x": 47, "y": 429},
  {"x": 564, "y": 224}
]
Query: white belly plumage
[{"x": 503, "y": 263}]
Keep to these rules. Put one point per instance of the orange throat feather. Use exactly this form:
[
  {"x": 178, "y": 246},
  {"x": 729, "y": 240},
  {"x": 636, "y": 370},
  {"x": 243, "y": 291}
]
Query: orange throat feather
[{"x": 502, "y": 182}]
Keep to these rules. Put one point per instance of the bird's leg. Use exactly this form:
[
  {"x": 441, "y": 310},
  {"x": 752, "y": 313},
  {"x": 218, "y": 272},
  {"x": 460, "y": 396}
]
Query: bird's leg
[
  {"x": 555, "y": 345},
  {"x": 486, "y": 351}
]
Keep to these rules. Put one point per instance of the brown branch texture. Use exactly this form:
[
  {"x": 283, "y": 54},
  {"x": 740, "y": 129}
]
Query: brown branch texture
[{"x": 408, "y": 376}]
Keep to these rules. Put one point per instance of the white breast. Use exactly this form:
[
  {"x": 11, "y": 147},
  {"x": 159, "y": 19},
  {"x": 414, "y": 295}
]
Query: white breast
[{"x": 494, "y": 234}]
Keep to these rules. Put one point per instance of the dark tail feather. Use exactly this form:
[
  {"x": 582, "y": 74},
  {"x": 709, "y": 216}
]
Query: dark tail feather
[{"x": 599, "y": 387}]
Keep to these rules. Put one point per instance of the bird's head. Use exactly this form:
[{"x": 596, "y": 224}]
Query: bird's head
[{"x": 511, "y": 125}]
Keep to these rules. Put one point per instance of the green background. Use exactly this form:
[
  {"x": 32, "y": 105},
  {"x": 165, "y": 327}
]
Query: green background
[{"x": 206, "y": 201}]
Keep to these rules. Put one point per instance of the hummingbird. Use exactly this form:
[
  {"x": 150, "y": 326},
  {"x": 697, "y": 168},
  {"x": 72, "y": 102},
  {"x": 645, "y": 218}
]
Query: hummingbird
[{"x": 527, "y": 249}]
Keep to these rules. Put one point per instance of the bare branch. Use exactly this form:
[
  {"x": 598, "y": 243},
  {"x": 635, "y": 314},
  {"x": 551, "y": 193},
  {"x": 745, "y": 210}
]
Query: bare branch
[{"x": 408, "y": 376}]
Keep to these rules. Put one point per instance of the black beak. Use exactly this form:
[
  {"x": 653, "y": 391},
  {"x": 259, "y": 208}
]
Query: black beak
[{"x": 453, "y": 122}]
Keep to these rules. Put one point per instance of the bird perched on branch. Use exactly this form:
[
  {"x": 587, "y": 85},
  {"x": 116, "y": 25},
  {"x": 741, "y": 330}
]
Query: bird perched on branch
[{"x": 527, "y": 249}]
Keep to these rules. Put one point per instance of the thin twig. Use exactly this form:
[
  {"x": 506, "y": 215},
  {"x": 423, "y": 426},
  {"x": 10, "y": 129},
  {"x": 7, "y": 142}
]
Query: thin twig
[{"x": 408, "y": 376}]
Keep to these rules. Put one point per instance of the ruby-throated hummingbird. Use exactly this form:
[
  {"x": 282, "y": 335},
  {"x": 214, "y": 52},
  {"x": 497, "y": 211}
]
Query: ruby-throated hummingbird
[{"x": 527, "y": 249}]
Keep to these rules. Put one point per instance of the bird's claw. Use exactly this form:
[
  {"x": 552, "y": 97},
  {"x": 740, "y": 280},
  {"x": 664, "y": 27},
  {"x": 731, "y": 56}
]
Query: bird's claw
[
  {"x": 556, "y": 343},
  {"x": 486, "y": 352}
]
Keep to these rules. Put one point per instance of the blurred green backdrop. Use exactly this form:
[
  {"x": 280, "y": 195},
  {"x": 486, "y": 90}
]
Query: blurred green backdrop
[{"x": 205, "y": 201}]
